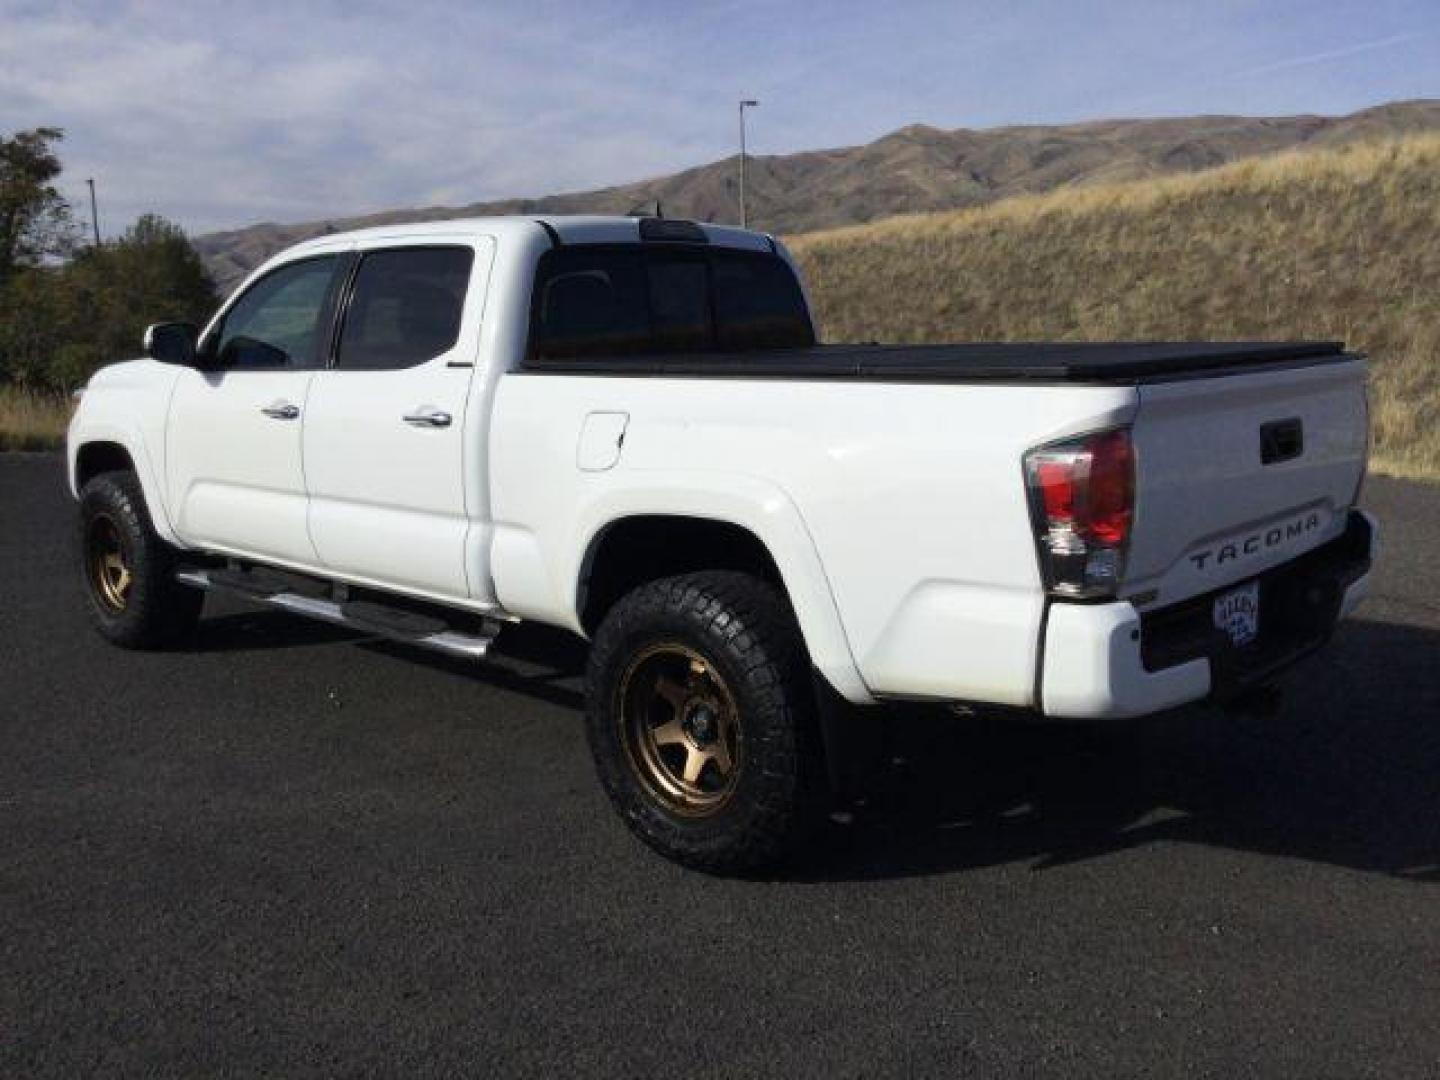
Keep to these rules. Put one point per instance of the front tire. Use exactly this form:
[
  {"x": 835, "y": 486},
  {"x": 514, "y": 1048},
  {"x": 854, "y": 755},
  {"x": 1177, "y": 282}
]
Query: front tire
[
  {"x": 128, "y": 571},
  {"x": 701, "y": 721}
]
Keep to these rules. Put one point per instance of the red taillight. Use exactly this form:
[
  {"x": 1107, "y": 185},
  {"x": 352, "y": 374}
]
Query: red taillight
[
  {"x": 1056, "y": 481},
  {"x": 1111, "y": 489},
  {"x": 1083, "y": 495}
]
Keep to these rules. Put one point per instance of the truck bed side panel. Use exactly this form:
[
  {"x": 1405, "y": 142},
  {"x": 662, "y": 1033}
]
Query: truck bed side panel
[{"x": 911, "y": 496}]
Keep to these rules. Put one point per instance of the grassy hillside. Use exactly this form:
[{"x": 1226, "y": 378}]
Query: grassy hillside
[{"x": 1340, "y": 243}]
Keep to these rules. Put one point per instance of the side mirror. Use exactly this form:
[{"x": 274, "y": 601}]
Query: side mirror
[{"x": 171, "y": 342}]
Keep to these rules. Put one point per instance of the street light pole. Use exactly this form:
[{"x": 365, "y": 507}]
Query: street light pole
[
  {"x": 743, "y": 104},
  {"x": 94, "y": 213}
]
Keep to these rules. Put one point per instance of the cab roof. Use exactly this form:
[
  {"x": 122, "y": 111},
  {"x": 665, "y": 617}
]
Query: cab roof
[{"x": 568, "y": 229}]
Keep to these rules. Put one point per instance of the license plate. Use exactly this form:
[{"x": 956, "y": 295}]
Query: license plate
[{"x": 1237, "y": 612}]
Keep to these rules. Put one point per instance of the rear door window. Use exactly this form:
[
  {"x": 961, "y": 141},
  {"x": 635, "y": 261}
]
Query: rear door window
[{"x": 405, "y": 308}]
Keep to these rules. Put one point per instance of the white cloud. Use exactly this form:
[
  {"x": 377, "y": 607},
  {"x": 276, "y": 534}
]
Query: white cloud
[{"x": 223, "y": 115}]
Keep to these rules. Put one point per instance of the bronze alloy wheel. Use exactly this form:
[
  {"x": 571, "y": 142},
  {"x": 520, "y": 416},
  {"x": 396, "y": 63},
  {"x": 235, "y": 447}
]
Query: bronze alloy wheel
[
  {"x": 107, "y": 563},
  {"x": 680, "y": 728}
]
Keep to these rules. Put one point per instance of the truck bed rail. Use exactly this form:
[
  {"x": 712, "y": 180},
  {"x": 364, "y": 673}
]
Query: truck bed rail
[{"x": 1080, "y": 362}]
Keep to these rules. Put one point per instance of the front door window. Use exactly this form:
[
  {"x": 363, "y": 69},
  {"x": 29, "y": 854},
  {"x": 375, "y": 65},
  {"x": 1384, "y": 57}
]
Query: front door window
[{"x": 277, "y": 323}]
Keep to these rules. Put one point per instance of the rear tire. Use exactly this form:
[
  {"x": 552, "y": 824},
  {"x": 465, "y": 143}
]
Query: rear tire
[
  {"x": 128, "y": 571},
  {"x": 701, "y": 721}
]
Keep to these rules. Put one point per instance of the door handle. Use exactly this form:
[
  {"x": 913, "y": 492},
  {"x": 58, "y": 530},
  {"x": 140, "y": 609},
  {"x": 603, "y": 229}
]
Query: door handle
[
  {"x": 427, "y": 416},
  {"x": 281, "y": 410}
]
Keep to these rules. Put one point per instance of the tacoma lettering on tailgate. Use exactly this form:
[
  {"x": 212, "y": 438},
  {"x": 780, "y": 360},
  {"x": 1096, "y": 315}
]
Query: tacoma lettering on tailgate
[{"x": 1256, "y": 542}]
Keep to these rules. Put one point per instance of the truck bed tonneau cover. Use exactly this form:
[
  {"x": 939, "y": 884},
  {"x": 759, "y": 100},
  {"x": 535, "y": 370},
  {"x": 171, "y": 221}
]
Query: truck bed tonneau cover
[{"x": 1077, "y": 362}]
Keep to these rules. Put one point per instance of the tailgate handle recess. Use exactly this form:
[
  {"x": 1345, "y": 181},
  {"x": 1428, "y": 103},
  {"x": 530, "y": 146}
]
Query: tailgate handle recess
[{"x": 1281, "y": 440}]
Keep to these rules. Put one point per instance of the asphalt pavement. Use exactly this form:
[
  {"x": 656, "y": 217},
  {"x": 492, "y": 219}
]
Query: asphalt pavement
[{"x": 293, "y": 851}]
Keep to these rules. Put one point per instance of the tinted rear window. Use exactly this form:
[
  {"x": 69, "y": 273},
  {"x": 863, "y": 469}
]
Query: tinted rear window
[
  {"x": 679, "y": 304},
  {"x": 598, "y": 301},
  {"x": 758, "y": 304}
]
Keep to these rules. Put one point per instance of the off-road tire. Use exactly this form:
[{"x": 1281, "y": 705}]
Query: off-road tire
[
  {"x": 155, "y": 610},
  {"x": 744, "y": 629}
]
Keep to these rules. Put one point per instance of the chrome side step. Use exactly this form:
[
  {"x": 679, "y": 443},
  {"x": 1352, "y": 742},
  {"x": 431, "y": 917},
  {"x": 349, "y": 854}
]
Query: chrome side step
[{"x": 366, "y": 617}]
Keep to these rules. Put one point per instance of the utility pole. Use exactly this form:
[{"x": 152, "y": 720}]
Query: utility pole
[
  {"x": 743, "y": 105},
  {"x": 94, "y": 213}
]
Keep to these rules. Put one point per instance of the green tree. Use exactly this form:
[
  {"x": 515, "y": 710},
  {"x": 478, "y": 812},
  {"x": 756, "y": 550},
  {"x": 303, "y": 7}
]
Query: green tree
[
  {"x": 163, "y": 270},
  {"x": 35, "y": 219},
  {"x": 33, "y": 317},
  {"x": 151, "y": 274},
  {"x": 59, "y": 323},
  {"x": 60, "y": 320}
]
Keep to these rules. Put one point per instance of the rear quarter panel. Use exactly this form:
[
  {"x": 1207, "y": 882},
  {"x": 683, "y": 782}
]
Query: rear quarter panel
[{"x": 909, "y": 499}]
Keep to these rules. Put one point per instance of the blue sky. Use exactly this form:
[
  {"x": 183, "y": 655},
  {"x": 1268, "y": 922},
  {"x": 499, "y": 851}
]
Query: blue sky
[{"x": 223, "y": 114}]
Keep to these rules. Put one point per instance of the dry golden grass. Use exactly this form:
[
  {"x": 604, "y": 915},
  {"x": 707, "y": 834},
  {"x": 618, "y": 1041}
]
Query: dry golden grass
[
  {"x": 1338, "y": 243},
  {"x": 31, "y": 421}
]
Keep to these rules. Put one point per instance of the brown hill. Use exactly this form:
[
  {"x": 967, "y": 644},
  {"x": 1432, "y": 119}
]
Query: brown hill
[{"x": 917, "y": 168}]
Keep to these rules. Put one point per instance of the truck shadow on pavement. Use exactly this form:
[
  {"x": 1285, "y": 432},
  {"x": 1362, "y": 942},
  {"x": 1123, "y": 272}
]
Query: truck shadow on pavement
[{"x": 1347, "y": 773}]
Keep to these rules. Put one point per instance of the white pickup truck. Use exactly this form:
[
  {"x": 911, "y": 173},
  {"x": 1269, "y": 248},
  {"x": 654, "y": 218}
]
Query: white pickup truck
[{"x": 625, "y": 427}]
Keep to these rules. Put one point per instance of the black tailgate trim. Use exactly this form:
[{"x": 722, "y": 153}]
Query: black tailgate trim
[{"x": 1299, "y": 606}]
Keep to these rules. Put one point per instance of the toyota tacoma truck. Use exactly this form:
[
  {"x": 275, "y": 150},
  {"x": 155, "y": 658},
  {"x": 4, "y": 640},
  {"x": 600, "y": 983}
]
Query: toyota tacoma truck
[{"x": 625, "y": 427}]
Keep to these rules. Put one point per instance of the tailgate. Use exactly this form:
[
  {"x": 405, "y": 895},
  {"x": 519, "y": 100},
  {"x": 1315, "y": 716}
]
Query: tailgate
[{"x": 1236, "y": 474}]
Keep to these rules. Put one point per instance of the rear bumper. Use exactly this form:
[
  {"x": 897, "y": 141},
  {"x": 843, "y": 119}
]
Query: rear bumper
[{"x": 1111, "y": 661}]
